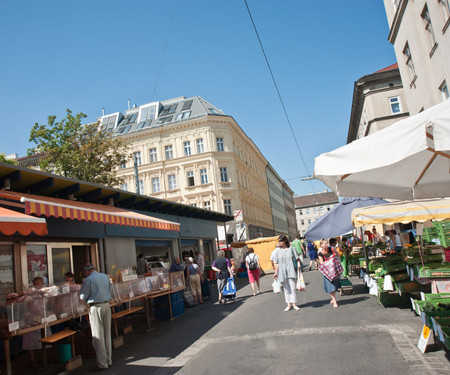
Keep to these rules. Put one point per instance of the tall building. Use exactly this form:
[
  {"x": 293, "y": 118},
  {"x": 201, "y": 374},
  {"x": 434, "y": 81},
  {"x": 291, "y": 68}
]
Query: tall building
[
  {"x": 378, "y": 101},
  {"x": 310, "y": 207},
  {"x": 420, "y": 33},
  {"x": 188, "y": 151}
]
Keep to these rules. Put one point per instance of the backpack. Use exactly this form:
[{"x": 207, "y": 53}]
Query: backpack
[{"x": 252, "y": 265}]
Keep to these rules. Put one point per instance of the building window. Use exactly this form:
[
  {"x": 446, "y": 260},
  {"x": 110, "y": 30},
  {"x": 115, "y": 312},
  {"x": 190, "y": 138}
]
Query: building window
[
  {"x": 227, "y": 206},
  {"x": 307, "y": 211},
  {"x": 200, "y": 147},
  {"x": 220, "y": 145},
  {"x": 445, "y": 5},
  {"x": 124, "y": 187},
  {"x": 207, "y": 205},
  {"x": 409, "y": 62},
  {"x": 123, "y": 164},
  {"x": 172, "y": 181},
  {"x": 169, "y": 152},
  {"x": 444, "y": 90},
  {"x": 147, "y": 113},
  {"x": 187, "y": 148},
  {"x": 301, "y": 212},
  {"x": 309, "y": 221},
  {"x": 204, "y": 176},
  {"x": 321, "y": 208},
  {"x": 141, "y": 187},
  {"x": 183, "y": 115},
  {"x": 156, "y": 188},
  {"x": 315, "y": 210},
  {"x": 137, "y": 158},
  {"x": 303, "y": 222},
  {"x": 190, "y": 178},
  {"x": 395, "y": 104},
  {"x": 223, "y": 174},
  {"x": 109, "y": 122},
  {"x": 153, "y": 155},
  {"x": 428, "y": 26}
]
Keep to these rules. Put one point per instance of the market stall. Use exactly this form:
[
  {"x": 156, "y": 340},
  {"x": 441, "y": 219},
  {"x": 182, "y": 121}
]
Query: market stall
[{"x": 263, "y": 248}]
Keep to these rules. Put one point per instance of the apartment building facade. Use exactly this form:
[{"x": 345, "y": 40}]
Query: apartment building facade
[
  {"x": 420, "y": 33},
  {"x": 188, "y": 151},
  {"x": 378, "y": 101},
  {"x": 310, "y": 207}
]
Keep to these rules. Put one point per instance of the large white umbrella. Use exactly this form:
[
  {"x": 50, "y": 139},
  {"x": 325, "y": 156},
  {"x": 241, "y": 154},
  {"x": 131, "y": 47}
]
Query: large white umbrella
[{"x": 408, "y": 160}]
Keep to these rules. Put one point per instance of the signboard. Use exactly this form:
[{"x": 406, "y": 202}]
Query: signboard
[
  {"x": 424, "y": 337},
  {"x": 238, "y": 215}
]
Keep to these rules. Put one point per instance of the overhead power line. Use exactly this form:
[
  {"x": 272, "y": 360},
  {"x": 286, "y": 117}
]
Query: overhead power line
[{"x": 278, "y": 92}]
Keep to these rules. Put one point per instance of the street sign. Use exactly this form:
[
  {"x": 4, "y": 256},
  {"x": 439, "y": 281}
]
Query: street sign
[{"x": 238, "y": 215}]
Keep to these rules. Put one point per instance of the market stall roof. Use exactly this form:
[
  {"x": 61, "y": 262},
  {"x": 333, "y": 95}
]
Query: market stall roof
[
  {"x": 82, "y": 211},
  {"x": 402, "y": 212},
  {"x": 15, "y": 222},
  {"x": 31, "y": 181},
  {"x": 407, "y": 160},
  {"x": 338, "y": 220}
]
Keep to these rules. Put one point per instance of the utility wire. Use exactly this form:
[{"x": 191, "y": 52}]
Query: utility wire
[
  {"x": 278, "y": 92},
  {"x": 164, "y": 49}
]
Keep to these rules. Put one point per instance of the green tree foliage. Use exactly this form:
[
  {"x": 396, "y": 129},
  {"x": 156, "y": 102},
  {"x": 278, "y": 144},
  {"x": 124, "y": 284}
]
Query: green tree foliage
[
  {"x": 79, "y": 151},
  {"x": 8, "y": 161}
]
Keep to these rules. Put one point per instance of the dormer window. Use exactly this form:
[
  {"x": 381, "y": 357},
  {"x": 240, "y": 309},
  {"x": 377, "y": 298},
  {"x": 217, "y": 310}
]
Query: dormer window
[
  {"x": 167, "y": 110},
  {"x": 109, "y": 122},
  {"x": 183, "y": 115},
  {"x": 147, "y": 113}
]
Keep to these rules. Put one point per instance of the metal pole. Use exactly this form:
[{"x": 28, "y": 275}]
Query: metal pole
[{"x": 365, "y": 250}]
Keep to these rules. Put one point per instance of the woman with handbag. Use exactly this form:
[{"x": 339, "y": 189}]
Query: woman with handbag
[
  {"x": 330, "y": 286},
  {"x": 286, "y": 261}
]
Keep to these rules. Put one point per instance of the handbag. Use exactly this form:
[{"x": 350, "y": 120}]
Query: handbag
[
  {"x": 331, "y": 268},
  {"x": 300, "y": 282}
]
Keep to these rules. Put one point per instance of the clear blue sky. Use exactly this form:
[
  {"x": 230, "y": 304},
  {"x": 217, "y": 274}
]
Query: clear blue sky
[{"x": 87, "y": 55}]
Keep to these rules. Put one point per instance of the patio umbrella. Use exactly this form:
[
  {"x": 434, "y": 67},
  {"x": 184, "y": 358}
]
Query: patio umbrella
[
  {"x": 338, "y": 220},
  {"x": 407, "y": 160}
]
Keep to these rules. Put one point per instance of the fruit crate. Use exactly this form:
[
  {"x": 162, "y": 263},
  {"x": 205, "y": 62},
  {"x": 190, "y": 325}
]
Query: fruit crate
[
  {"x": 395, "y": 267},
  {"x": 426, "y": 259},
  {"x": 433, "y": 296},
  {"x": 433, "y": 270},
  {"x": 410, "y": 286},
  {"x": 393, "y": 299},
  {"x": 446, "y": 334}
]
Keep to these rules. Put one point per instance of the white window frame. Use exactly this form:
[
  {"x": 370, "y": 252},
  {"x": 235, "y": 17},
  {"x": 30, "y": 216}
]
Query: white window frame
[
  {"x": 224, "y": 174},
  {"x": 156, "y": 186},
  {"x": 183, "y": 115},
  {"x": 124, "y": 187},
  {"x": 393, "y": 101},
  {"x": 428, "y": 26},
  {"x": 204, "y": 176},
  {"x": 168, "y": 151},
  {"x": 228, "y": 208},
  {"x": 200, "y": 146},
  {"x": 172, "y": 180},
  {"x": 220, "y": 144},
  {"x": 144, "y": 113},
  {"x": 153, "y": 155},
  {"x": 207, "y": 205},
  {"x": 123, "y": 164},
  {"x": 141, "y": 187},
  {"x": 137, "y": 157},
  {"x": 187, "y": 148},
  {"x": 190, "y": 178}
]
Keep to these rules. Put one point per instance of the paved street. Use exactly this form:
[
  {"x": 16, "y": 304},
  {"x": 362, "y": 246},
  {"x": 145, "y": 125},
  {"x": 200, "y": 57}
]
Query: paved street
[{"x": 255, "y": 335}]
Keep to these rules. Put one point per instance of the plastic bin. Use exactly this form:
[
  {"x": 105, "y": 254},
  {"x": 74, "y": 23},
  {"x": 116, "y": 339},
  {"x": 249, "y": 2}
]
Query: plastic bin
[{"x": 64, "y": 353}]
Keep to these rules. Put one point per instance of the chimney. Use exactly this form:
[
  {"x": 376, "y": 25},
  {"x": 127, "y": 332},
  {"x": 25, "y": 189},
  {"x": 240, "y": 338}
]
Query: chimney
[
  {"x": 103, "y": 111},
  {"x": 129, "y": 103}
]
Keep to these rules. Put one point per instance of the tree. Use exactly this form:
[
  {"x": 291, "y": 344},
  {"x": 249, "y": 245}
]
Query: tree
[
  {"x": 84, "y": 152},
  {"x": 3, "y": 159}
]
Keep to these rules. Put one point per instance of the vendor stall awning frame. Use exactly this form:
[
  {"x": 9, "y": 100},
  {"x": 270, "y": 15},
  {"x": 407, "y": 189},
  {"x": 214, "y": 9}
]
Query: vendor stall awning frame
[
  {"x": 12, "y": 222},
  {"x": 82, "y": 211}
]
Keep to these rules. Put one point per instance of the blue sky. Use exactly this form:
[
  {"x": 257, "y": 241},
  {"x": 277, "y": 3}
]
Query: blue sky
[{"x": 87, "y": 55}]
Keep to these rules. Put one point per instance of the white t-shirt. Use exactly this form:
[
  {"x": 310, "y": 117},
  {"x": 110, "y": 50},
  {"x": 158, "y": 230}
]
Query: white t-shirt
[{"x": 251, "y": 257}]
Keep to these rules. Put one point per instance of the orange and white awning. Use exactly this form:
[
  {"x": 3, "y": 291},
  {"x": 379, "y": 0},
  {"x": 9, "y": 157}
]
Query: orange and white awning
[
  {"x": 82, "y": 211},
  {"x": 12, "y": 222}
]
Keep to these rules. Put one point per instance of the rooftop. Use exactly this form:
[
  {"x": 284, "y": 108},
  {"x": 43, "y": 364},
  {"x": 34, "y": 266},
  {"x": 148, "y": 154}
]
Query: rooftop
[{"x": 316, "y": 199}]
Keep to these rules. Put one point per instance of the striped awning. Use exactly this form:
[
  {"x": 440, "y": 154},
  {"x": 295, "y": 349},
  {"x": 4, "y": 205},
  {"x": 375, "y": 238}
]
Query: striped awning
[
  {"x": 82, "y": 211},
  {"x": 12, "y": 222},
  {"x": 420, "y": 210}
]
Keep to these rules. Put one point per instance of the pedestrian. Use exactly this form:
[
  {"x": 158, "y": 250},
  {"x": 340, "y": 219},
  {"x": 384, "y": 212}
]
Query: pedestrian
[
  {"x": 194, "y": 279},
  {"x": 312, "y": 253},
  {"x": 331, "y": 287},
  {"x": 68, "y": 277},
  {"x": 96, "y": 292},
  {"x": 200, "y": 261},
  {"x": 223, "y": 267},
  {"x": 285, "y": 271},
  {"x": 176, "y": 266},
  {"x": 397, "y": 241},
  {"x": 297, "y": 245},
  {"x": 253, "y": 269},
  {"x": 142, "y": 265}
]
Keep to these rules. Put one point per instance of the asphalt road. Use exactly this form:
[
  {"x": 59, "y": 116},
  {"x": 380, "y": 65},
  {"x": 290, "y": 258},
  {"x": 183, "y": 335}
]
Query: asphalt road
[{"x": 255, "y": 335}]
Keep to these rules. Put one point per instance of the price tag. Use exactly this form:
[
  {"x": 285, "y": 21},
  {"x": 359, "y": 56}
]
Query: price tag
[
  {"x": 51, "y": 318},
  {"x": 424, "y": 337},
  {"x": 63, "y": 315},
  {"x": 13, "y": 326},
  {"x": 131, "y": 295},
  {"x": 65, "y": 289}
]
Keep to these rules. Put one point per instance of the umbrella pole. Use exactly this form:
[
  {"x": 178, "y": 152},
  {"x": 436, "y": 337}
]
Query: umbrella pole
[{"x": 365, "y": 250}]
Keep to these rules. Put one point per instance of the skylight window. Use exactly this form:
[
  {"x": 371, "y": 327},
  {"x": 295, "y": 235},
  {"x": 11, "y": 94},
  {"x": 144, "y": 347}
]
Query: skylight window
[
  {"x": 133, "y": 118},
  {"x": 109, "y": 122},
  {"x": 213, "y": 111},
  {"x": 162, "y": 120},
  {"x": 187, "y": 105},
  {"x": 147, "y": 113},
  {"x": 124, "y": 129},
  {"x": 183, "y": 115},
  {"x": 169, "y": 109}
]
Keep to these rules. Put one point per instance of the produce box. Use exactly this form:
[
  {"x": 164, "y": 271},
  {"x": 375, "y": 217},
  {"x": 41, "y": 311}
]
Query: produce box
[
  {"x": 409, "y": 286},
  {"x": 393, "y": 299},
  {"x": 432, "y": 309},
  {"x": 399, "y": 277},
  {"x": 431, "y": 296},
  {"x": 446, "y": 333},
  {"x": 433, "y": 270},
  {"x": 395, "y": 267},
  {"x": 426, "y": 259}
]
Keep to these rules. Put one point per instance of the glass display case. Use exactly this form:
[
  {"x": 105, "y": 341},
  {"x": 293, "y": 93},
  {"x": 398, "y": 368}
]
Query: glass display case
[
  {"x": 153, "y": 284},
  {"x": 177, "y": 279},
  {"x": 139, "y": 286},
  {"x": 122, "y": 291},
  {"x": 163, "y": 274}
]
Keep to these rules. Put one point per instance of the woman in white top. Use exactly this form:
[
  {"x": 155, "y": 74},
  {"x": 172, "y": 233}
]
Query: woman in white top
[{"x": 253, "y": 274}]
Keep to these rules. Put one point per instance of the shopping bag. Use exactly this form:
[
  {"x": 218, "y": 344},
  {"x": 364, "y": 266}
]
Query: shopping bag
[
  {"x": 300, "y": 282},
  {"x": 188, "y": 298},
  {"x": 230, "y": 288},
  {"x": 331, "y": 268},
  {"x": 276, "y": 286}
]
